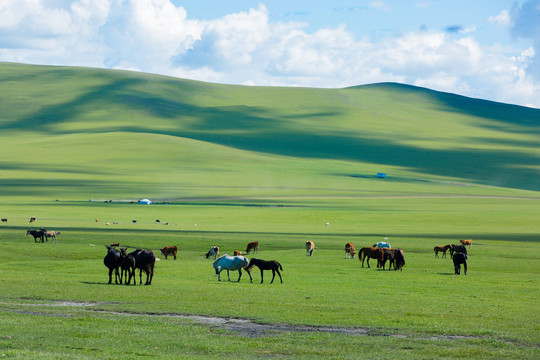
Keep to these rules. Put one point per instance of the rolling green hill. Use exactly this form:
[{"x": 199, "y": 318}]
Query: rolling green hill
[{"x": 78, "y": 132}]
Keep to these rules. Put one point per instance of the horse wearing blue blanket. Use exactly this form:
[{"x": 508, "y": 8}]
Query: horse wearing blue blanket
[{"x": 228, "y": 263}]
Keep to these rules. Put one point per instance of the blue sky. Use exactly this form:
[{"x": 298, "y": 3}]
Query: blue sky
[{"x": 488, "y": 49}]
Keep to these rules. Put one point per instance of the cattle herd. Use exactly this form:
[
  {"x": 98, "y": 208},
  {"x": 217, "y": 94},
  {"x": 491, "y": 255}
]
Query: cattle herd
[{"x": 124, "y": 264}]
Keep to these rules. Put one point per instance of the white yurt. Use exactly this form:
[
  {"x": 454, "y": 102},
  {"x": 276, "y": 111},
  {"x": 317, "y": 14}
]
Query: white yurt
[{"x": 145, "y": 202}]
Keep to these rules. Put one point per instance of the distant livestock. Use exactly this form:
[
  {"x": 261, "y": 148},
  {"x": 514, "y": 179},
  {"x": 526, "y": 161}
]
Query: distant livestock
[
  {"x": 310, "y": 246},
  {"x": 214, "y": 251},
  {"x": 144, "y": 261},
  {"x": 37, "y": 234},
  {"x": 382, "y": 245},
  {"x": 349, "y": 251},
  {"x": 460, "y": 258},
  {"x": 52, "y": 235},
  {"x": 134, "y": 221},
  {"x": 443, "y": 249},
  {"x": 265, "y": 265},
  {"x": 169, "y": 250},
  {"x": 112, "y": 262},
  {"x": 115, "y": 244},
  {"x": 466, "y": 242},
  {"x": 252, "y": 246},
  {"x": 32, "y": 219},
  {"x": 4, "y": 220},
  {"x": 237, "y": 253},
  {"x": 235, "y": 263}
]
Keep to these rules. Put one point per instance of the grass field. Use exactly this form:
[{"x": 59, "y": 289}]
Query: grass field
[{"x": 228, "y": 165}]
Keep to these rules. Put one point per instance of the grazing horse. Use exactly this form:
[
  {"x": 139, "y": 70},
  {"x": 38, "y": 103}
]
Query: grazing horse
[
  {"x": 460, "y": 258},
  {"x": 442, "y": 249},
  {"x": 112, "y": 261},
  {"x": 4, "y": 220},
  {"x": 37, "y": 234},
  {"x": 169, "y": 250},
  {"x": 457, "y": 248},
  {"x": 32, "y": 219},
  {"x": 265, "y": 265},
  {"x": 235, "y": 263},
  {"x": 387, "y": 255},
  {"x": 382, "y": 245},
  {"x": 466, "y": 242},
  {"x": 399, "y": 259},
  {"x": 349, "y": 251},
  {"x": 144, "y": 261},
  {"x": 214, "y": 251},
  {"x": 310, "y": 246},
  {"x": 369, "y": 252},
  {"x": 254, "y": 245},
  {"x": 51, "y": 234},
  {"x": 127, "y": 267}
]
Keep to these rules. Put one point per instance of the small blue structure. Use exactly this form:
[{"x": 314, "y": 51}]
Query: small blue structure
[
  {"x": 145, "y": 202},
  {"x": 381, "y": 175}
]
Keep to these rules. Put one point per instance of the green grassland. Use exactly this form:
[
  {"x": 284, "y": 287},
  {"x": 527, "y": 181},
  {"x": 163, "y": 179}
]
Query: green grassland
[{"x": 231, "y": 164}]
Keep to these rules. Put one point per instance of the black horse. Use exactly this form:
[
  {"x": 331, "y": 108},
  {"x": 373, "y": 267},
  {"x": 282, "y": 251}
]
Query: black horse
[
  {"x": 127, "y": 267},
  {"x": 37, "y": 234},
  {"x": 460, "y": 258},
  {"x": 112, "y": 261},
  {"x": 457, "y": 248},
  {"x": 144, "y": 261},
  {"x": 265, "y": 265}
]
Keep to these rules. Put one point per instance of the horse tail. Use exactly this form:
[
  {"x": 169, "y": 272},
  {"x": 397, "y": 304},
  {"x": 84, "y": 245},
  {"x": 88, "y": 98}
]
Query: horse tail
[
  {"x": 360, "y": 254},
  {"x": 280, "y": 267}
]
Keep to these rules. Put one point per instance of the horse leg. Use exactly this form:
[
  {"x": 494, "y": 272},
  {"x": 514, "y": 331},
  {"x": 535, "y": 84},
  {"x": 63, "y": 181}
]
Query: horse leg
[
  {"x": 279, "y": 276},
  {"x": 261, "y": 275},
  {"x": 110, "y": 275},
  {"x": 239, "y": 274},
  {"x": 140, "y": 276},
  {"x": 465, "y": 268},
  {"x": 228, "y": 275},
  {"x": 273, "y": 275}
]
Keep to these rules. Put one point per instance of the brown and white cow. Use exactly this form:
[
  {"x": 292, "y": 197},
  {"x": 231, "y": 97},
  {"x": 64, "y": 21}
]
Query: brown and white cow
[
  {"x": 349, "y": 251},
  {"x": 237, "y": 253},
  {"x": 310, "y": 246},
  {"x": 252, "y": 246},
  {"x": 466, "y": 242},
  {"x": 169, "y": 250},
  {"x": 214, "y": 251}
]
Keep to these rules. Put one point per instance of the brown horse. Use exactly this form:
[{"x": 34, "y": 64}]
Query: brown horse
[
  {"x": 442, "y": 249},
  {"x": 369, "y": 252}
]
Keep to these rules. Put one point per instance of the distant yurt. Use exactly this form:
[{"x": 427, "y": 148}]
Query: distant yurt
[{"x": 145, "y": 202}]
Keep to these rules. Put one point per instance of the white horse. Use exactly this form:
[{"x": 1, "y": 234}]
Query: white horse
[{"x": 227, "y": 262}]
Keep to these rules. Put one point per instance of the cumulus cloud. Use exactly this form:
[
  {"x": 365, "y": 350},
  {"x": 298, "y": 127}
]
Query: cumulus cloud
[
  {"x": 249, "y": 48},
  {"x": 525, "y": 23},
  {"x": 503, "y": 18}
]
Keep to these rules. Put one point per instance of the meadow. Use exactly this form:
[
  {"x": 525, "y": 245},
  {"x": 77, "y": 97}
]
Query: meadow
[{"x": 227, "y": 165}]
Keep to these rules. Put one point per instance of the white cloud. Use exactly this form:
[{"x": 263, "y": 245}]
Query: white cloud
[
  {"x": 503, "y": 18},
  {"x": 248, "y": 48}
]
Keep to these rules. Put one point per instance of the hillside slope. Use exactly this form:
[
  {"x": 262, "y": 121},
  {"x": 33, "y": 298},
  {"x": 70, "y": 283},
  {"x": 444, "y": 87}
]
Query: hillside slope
[{"x": 89, "y": 129}]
